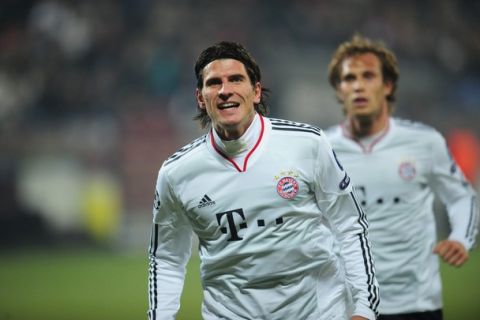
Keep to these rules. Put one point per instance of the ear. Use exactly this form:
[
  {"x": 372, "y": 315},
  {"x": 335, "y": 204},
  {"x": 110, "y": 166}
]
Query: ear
[
  {"x": 338, "y": 94},
  {"x": 387, "y": 88},
  {"x": 200, "y": 100},
  {"x": 257, "y": 92}
]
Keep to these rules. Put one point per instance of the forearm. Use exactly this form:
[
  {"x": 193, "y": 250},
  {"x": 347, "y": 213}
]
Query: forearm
[
  {"x": 165, "y": 284},
  {"x": 355, "y": 250},
  {"x": 464, "y": 217},
  {"x": 169, "y": 252},
  {"x": 360, "y": 275}
]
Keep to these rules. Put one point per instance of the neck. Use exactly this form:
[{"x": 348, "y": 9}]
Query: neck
[
  {"x": 235, "y": 147},
  {"x": 238, "y": 151},
  {"x": 234, "y": 132},
  {"x": 368, "y": 125}
]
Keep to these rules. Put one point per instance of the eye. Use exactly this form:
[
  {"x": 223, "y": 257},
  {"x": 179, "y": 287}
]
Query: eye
[
  {"x": 349, "y": 78},
  {"x": 369, "y": 75},
  {"x": 213, "y": 82},
  {"x": 236, "y": 78}
]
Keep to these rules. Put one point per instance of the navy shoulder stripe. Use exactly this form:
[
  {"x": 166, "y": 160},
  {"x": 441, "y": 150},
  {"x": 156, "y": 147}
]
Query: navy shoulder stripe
[
  {"x": 287, "y": 125},
  {"x": 186, "y": 149}
]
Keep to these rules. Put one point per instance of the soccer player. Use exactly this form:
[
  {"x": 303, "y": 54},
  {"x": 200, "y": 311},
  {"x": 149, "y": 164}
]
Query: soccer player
[
  {"x": 265, "y": 197},
  {"x": 397, "y": 166}
]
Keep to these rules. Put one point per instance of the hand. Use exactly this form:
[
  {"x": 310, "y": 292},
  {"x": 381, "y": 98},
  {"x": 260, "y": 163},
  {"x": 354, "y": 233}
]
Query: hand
[
  {"x": 452, "y": 252},
  {"x": 358, "y": 318}
]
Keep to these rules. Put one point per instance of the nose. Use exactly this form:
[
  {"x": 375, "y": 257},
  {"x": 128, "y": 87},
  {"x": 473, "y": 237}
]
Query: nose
[
  {"x": 225, "y": 91},
  {"x": 358, "y": 85}
]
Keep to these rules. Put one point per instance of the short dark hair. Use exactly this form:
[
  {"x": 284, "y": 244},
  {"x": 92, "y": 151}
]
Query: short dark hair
[
  {"x": 229, "y": 50},
  {"x": 361, "y": 45}
]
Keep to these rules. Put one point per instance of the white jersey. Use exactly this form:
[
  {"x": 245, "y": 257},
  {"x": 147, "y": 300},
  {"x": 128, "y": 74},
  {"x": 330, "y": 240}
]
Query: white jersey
[
  {"x": 395, "y": 180},
  {"x": 264, "y": 228}
]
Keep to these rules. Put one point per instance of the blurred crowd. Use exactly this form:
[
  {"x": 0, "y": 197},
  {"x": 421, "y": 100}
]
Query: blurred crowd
[{"x": 94, "y": 95}]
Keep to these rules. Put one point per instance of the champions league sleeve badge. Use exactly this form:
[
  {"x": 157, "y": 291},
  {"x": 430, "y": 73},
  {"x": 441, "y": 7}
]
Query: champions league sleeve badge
[
  {"x": 156, "y": 201},
  {"x": 287, "y": 186}
]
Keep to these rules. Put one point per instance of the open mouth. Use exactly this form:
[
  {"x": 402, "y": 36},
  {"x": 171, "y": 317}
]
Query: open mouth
[
  {"x": 360, "y": 101},
  {"x": 227, "y": 105}
]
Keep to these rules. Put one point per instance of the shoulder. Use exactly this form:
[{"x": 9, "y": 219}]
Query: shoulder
[
  {"x": 300, "y": 138},
  {"x": 297, "y": 135},
  {"x": 406, "y": 124},
  {"x": 334, "y": 132},
  {"x": 294, "y": 128},
  {"x": 185, "y": 152},
  {"x": 417, "y": 130},
  {"x": 336, "y": 137}
]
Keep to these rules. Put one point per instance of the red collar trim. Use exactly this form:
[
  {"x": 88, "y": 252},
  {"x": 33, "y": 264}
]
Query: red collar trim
[
  {"x": 368, "y": 149},
  {"x": 212, "y": 140}
]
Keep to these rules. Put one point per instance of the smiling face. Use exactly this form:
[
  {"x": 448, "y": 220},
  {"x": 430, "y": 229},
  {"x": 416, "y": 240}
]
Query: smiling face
[
  {"x": 229, "y": 97},
  {"x": 362, "y": 89}
]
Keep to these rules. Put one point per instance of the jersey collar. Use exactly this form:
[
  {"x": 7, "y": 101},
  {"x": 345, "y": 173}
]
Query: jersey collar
[
  {"x": 239, "y": 151},
  {"x": 369, "y": 142}
]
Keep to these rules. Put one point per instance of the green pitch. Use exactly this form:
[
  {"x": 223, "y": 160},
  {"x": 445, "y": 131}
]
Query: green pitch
[{"x": 92, "y": 284}]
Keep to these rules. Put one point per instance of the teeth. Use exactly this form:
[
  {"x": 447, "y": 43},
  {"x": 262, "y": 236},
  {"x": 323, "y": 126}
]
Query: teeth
[{"x": 227, "y": 105}]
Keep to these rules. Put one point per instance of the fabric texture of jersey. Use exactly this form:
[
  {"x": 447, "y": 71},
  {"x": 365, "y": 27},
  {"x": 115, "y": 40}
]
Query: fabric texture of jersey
[
  {"x": 395, "y": 180},
  {"x": 265, "y": 230}
]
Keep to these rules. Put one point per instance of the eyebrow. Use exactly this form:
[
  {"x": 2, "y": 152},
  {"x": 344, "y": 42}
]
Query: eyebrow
[
  {"x": 216, "y": 80},
  {"x": 211, "y": 81},
  {"x": 349, "y": 75},
  {"x": 352, "y": 75},
  {"x": 237, "y": 76}
]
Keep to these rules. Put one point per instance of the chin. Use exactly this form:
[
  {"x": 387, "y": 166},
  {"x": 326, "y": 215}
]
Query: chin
[
  {"x": 229, "y": 123},
  {"x": 359, "y": 113}
]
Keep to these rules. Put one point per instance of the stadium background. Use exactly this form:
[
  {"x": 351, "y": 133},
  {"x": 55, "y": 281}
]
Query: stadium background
[{"x": 94, "y": 95}]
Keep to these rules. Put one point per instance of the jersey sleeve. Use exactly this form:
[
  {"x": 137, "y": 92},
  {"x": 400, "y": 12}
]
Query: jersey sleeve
[
  {"x": 170, "y": 249},
  {"x": 460, "y": 199},
  {"x": 338, "y": 202}
]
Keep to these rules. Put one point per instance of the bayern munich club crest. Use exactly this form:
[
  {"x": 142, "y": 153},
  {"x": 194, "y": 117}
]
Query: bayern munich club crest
[
  {"x": 287, "y": 187},
  {"x": 407, "y": 171}
]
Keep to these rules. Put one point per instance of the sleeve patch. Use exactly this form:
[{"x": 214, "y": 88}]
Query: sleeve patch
[
  {"x": 345, "y": 182},
  {"x": 156, "y": 201}
]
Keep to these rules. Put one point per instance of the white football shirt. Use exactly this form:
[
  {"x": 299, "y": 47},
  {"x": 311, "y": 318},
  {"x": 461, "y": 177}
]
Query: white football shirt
[
  {"x": 264, "y": 219},
  {"x": 395, "y": 178}
]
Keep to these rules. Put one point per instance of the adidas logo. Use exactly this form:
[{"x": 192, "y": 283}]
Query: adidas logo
[{"x": 205, "y": 202}]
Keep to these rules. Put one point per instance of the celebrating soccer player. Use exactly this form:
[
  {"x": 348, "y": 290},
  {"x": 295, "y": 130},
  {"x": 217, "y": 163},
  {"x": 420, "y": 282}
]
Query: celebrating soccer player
[{"x": 267, "y": 199}]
